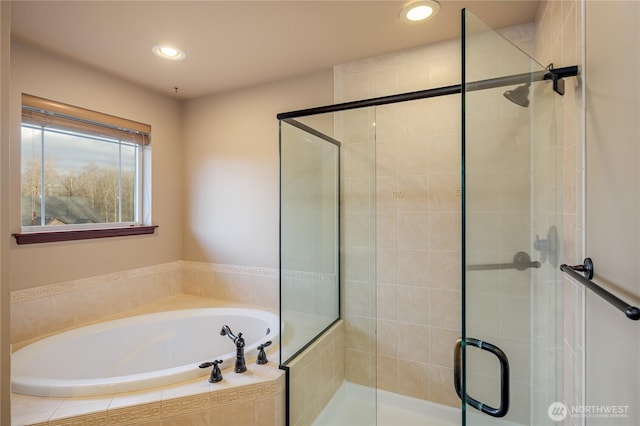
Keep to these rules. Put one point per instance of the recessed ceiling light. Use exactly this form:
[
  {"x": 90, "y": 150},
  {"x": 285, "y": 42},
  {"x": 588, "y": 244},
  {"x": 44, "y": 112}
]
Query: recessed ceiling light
[
  {"x": 420, "y": 10},
  {"x": 168, "y": 52}
]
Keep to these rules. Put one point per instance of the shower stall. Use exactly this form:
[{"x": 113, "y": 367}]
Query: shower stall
[{"x": 420, "y": 246}]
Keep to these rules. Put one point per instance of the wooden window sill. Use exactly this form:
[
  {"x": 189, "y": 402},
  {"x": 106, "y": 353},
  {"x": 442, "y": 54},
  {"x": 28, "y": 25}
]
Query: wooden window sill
[{"x": 85, "y": 234}]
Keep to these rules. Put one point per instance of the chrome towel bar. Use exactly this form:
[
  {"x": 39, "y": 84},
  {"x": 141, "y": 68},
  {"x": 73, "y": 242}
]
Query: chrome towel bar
[{"x": 586, "y": 268}]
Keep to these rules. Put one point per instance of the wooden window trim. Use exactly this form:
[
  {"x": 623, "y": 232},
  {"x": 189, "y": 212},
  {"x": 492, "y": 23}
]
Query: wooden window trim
[{"x": 83, "y": 234}]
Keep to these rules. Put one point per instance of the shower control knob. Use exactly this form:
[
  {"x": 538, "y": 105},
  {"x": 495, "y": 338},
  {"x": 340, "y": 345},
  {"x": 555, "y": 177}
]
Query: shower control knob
[
  {"x": 543, "y": 247},
  {"x": 548, "y": 247}
]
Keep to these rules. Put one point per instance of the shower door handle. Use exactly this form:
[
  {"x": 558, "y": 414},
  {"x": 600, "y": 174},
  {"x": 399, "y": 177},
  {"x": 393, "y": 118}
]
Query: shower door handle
[{"x": 502, "y": 410}]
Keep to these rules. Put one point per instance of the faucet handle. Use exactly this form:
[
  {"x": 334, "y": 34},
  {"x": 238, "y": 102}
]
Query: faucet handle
[
  {"x": 216, "y": 374},
  {"x": 262, "y": 355},
  {"x": 264, "y": 345}
]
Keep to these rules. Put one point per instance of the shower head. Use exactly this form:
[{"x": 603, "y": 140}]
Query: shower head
[{"x": 519, "y": 95}]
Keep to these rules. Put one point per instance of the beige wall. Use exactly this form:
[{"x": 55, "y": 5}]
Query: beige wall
[
  {"x": 613, "y": 203},
  {"x": 5, "y": 372},
  {"x": 120, "y": 273},
  {"x": 231, "y": 169},
  {"x": 52, "y": 77}
]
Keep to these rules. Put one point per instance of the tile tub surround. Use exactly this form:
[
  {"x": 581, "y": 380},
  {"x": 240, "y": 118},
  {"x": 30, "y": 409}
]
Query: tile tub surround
[
  {"x": 254, "y": 397},
  {"x": 40, "y": 311},
  {"x": 43, "y": 310},
  {"x": 236, "y": 283}
]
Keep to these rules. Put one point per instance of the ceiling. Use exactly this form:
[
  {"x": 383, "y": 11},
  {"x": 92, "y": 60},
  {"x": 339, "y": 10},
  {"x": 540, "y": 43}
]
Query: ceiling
[{"x": 235, "y": 44}]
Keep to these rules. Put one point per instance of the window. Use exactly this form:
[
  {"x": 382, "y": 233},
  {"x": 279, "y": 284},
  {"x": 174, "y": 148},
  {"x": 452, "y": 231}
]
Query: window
[{"x": 82, "y": 170}]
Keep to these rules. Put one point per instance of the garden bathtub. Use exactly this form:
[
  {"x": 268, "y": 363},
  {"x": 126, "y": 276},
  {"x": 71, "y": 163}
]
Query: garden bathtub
[{"x": 138, "y": 352}]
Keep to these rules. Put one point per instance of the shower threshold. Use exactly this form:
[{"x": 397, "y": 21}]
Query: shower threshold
[{"x": 353, "y": 405}]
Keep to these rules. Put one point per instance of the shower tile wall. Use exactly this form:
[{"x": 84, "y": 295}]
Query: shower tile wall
[
  {"x": 559, "y": 39},
  {"x": 401, "y": 192}
]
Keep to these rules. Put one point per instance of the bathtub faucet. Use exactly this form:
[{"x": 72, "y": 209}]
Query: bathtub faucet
[{"x": 241, "y": 365}]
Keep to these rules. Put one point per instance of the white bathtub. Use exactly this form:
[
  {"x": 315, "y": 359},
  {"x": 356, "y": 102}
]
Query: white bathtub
[{"x": 137, "y": 352}]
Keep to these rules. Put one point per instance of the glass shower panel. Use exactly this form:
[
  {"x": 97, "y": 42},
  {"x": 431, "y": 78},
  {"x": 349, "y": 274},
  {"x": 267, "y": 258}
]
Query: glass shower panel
[
  {"x": 309, "y": 239},
  {"x": 512, "y": 201},
  {"x": 328, "y": 265}
]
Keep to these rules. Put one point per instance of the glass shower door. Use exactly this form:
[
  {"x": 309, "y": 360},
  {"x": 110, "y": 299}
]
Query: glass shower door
[{"x": 509, "y": 357}]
